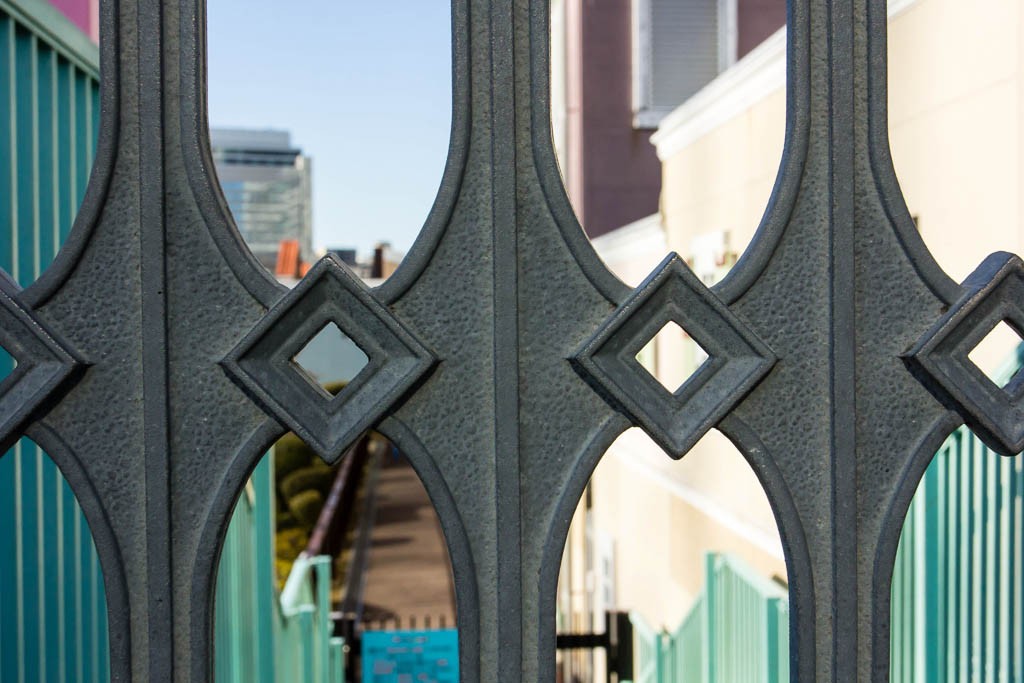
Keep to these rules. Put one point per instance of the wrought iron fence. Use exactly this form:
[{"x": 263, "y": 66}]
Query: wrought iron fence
[{"x": 153, "y": 354}]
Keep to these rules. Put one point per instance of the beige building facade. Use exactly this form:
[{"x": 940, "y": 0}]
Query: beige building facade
[{"x": 956, "y": 92}]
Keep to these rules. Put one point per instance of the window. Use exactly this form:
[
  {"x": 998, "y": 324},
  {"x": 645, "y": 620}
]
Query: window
[{"x": 678, "y": 47}]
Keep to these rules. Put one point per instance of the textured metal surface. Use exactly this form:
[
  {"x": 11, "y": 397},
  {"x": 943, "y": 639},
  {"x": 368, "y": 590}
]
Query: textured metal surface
[
  {"x": 154, "y": 291},
  {"x": 42, "y": 364}
]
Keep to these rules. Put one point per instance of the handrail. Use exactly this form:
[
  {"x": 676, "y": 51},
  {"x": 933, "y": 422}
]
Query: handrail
[
  {"x": 297, "y": 593},
  {"x": 769, "y": 588},
  {"x": 292, "y": 637},
  {"x": 306, "y": 609},
  {"x": 305, "y": 644},
  {"x": 352, "y": 603},
  {"x": 351, "y": 608},
  {"x": 336, "y": 512}
]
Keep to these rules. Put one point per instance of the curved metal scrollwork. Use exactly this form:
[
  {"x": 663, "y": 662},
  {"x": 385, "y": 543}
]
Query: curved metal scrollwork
[{"x": 838, "y": 347}]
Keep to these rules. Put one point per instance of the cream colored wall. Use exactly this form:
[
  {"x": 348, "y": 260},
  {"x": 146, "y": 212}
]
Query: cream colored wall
[
  {"x": 956, "y": 107},
  {"x": 664, "y": 517},
  {"x": 955, "y": 94},
  {"x": 559, "y": 104},
  {"x": 722, "y": 181},
  {"x": 955, "y": 116}
]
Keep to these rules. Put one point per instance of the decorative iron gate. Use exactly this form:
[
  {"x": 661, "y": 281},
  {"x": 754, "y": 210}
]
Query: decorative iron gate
[{"x": 154, "y": 356}]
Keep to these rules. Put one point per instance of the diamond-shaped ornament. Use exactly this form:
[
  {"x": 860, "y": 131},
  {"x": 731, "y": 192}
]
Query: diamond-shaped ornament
[
  {"x": 43, "y": 363},
  {"x": 264, "y": 361},
  {"x": 992, "y": 294},
  {"x": 737, "y": 359}
]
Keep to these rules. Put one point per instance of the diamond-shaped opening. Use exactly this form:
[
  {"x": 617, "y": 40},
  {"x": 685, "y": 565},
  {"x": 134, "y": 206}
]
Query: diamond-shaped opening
[
  {"x": 990, "y": 354},
  {"x": 665, "y": 356},
  {"x": 331, "y": 359}
]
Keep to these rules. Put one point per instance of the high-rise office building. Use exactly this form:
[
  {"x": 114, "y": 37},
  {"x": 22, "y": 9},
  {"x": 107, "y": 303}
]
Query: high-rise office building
[{"x": 266, "y": 182}]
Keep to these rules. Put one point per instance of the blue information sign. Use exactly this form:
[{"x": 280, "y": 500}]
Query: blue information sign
[{"x": 411, "y": 656}]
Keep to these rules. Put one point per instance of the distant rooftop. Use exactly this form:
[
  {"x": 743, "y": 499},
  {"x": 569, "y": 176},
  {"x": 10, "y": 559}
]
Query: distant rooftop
[{"x": 250, "y": 139}]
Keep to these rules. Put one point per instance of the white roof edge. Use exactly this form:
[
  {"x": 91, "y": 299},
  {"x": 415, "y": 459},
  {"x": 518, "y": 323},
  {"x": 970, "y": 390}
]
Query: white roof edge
[
  {"x": 899, "y": 6},
  {"x": 760, "y": 73},
  {"x": 647, "y": 232}
]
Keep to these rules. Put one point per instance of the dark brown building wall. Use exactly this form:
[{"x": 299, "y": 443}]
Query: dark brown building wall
[
  {"x": 756, "y": 20},
  {"x": 620, "y": 172},
  {"x": 615, "y": 175}
]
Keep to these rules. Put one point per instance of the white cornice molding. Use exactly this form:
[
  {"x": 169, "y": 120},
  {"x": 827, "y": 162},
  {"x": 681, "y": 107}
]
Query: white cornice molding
[
  {"x": 897, "y": 7},
  {"x": 759, "y": 74},
  {"x": 631, "y": 240}
]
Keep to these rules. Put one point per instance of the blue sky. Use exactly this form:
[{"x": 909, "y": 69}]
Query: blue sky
[{"x": 365, "y": 89}]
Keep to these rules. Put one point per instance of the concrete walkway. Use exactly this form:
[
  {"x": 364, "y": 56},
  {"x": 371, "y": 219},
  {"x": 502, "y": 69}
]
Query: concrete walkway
[{"x": 408, "y": 576}]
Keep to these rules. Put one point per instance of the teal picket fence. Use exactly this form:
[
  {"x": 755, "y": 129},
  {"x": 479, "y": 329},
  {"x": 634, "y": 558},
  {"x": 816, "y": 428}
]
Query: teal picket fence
[
  {"x": 957, "y": 598},
  {"x": 646, "y": 643},
  {"x": 957, "y": 594},
  {"x": 245, "y": 598},
  {"x": 53, "y": 622},
  {"x": 307, "y": 649},
  {"x": 737, "y": 631},
  {"x": 263, "y": 635}
]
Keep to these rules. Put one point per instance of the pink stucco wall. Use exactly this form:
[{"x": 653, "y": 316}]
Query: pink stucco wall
[{"x": 83, "y": 13}]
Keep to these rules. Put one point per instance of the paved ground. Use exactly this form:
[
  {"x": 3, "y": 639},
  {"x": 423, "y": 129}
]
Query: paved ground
[{"x": 408, "y": 575}]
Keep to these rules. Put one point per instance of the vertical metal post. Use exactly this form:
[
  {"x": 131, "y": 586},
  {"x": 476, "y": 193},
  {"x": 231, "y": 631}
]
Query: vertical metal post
[{"x": 711, "y": 618}]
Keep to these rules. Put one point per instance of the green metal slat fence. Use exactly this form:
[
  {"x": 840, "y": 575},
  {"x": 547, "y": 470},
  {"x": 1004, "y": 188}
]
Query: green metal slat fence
[
  {"x": 52, "y": 604},
  {"x": 260, "y": 636},
  {"x": 307, "y": 649},
  {"x": 957, "y": 600},
  {"x": 957, "y": 595},
  {"x": 686, "y": 654},
  {"x": 646, "y": 642},
  {"x": 736, "y": 632}
]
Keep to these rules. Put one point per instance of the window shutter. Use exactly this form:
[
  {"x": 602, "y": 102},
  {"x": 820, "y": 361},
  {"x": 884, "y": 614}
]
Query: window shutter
[{"x": 684, "y": 49}]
